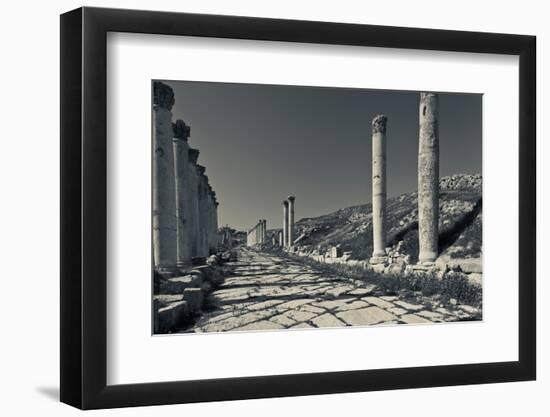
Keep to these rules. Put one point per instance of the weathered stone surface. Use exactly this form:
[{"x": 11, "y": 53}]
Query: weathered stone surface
[
  {"x": 194, "y": 298},
  {"x": 409, "y": 306},
  {"x": 352, "y": 306},
  {"x": 302, "y": 326},
  {"x": 414, "y": 319},
  {"x": 428, "y": 178},
  {"x": 169, "y": 316},
  {"x": 397, "y": 311},
  {"x": 379, "y": 187},
  {"x": 365, "y": 316},
  {"x": 178, "y": 284},
  {"x": 378, "y": 302},
  {"x": 327, "y": 320},
  {"x": 260, "y": 325}
]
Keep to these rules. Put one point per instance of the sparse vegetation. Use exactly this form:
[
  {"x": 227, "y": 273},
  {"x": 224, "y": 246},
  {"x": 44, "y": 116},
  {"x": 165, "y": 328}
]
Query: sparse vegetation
[{"x": 453, "y": 286}]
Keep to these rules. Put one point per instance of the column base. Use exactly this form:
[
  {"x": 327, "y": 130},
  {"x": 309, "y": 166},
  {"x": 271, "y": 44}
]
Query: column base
[{"x": 377, "y": 260}]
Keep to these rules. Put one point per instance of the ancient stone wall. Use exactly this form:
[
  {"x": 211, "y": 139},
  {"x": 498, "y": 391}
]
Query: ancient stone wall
[{"x": 185, "y": 208}]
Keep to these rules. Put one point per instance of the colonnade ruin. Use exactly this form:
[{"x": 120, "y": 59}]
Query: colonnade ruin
[
  {"x": 428, "y": 191},
  {"x": 185, "y": 208},
  {"x": 428, "y": 183}
]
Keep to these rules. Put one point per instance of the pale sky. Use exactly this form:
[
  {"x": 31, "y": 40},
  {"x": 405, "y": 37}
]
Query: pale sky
[{"x": 261, "y": 143}]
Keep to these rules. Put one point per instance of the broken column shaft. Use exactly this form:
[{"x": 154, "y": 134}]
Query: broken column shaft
[{"x": 285, "y": 223}]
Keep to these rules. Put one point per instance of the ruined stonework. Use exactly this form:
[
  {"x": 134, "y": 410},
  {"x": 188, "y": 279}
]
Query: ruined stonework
[
  {"x": 428, "y": 178},
  {"x": 254, "y": 235},
  {"x": 164, "y": 200},
  {"x": 185, "y": 218},
  {"x": 379, "y": 188}
]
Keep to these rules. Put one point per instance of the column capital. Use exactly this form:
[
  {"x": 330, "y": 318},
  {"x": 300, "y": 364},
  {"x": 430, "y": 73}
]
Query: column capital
[
  {"x": 181, "y": 130},
  {"x": 163, "y": 95},
  {"x": 291, "y": 198},
  {"x": 285, "y": 203},
  {"x": 193, "y": 155},
  {"x": 379, "y": 123}
]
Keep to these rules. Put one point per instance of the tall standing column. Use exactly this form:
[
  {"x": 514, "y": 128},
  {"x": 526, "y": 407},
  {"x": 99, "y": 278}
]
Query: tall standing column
[
  {"x": 164, "y": 202},
  {"x": 264, "y": 228},
  {"x": 379, "y": 188},
  {"x": 203, "y": 216},
  {"x": 281, "y": 241},
  {"x": 291, "y": 236},
  {"x": 428, "y": 178},
  {"x": 182, "y": 192},
  {"x": 285, "y": 223},
  {"x": 194, "y": 201}
]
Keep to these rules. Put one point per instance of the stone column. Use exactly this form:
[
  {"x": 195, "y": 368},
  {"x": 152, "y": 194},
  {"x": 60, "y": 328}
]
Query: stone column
[
  {"x": 428, "y": 178},
  {"x": 181, "y": 169},
  {"x": 194, "y": 201},
  {"x": 291, "y": 236},
  {"x": 285, "y": 224},
  {"x": 264, "y": 228},
  {"x": 203, "y": 215},
  {"x": 164, "y": 202},
  {"x": 379, "y": 188},
  {"x": 281, "y": 241}
]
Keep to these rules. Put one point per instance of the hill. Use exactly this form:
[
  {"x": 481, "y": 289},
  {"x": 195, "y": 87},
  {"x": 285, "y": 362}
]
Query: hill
[{"x": 350, "y": 229}]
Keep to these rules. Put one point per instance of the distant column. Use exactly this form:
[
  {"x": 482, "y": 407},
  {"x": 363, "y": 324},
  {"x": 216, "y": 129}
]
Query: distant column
[
  {"x": 285, "y": 223},
  {"x": 291, "y": 236},
  {"x": 265, "y": 230},
  {"x": 181, "y": 169},
  {"x": 428, "y": 178},
  {"x": 281, "y": 241},
  {"x": 164, "y": 202},
  {"x": 379, "y": 188}
]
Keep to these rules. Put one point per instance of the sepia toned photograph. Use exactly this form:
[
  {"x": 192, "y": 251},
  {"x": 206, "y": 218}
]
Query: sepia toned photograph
[{"x": 279, "y": 207}]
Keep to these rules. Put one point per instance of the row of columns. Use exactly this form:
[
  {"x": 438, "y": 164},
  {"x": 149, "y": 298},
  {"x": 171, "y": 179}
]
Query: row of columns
[
  {"x": 185, "y": 208},
  {"x": 428, "y": 182},
  {"x": 257, "y": 235}
]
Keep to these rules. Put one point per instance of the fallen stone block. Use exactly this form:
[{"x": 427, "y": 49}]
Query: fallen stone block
[
  {"x": 194, "y": 298},
  {"x": 168, "y": 317},
  {"x": 178, "y": 284}
]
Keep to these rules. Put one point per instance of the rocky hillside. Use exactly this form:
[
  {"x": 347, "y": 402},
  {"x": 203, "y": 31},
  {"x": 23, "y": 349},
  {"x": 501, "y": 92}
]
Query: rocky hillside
[{"x": 350, "y": 229}]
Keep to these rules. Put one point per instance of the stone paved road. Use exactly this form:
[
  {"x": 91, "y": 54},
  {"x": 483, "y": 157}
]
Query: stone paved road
[{"x": 268, "y": 292}]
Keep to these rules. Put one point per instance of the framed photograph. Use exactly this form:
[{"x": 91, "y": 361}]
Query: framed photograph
[{"x": 256, "y": 208}]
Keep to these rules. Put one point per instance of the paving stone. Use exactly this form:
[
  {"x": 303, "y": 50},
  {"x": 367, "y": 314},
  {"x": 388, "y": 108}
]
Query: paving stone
[
  {"x": 338, "y": 291},
  {"x": 332, "y": 304},
  {"x": 260, "y": 325},
  {"x": 299, "y": 315},
  {"x": 389, "y": 297},
  {"x": 365, "y": 316},
  {"x": 352, "y": 306},
  {"x": 302, "y": 326},
  {"x": 311, "y": 309},
  {"x": 264, "y": 304},
  {"x": 432, "y": 315},
  {"x": 293, "y": 304},
  {"x": 377, "y": 301},
  {"x": 409, "y": 306},
  {"x": 397, "y": 311},
  {"x": 414, "y": 319},
  {"x": 363, "y": 291},
  {"x": 283, "y": 320},
  {"x": 327, "y": 320}
]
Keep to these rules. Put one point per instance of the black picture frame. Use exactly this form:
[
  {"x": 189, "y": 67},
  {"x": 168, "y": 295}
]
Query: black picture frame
[{"x": 84, "y": 207}]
